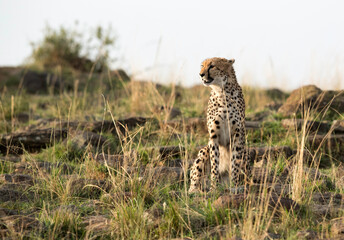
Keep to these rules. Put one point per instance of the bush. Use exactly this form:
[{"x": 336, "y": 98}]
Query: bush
[{"x": 69, "y": 48}]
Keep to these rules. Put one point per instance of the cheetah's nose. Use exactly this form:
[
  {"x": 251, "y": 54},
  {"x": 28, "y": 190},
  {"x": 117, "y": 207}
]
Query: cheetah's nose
[{"x": 202, "y": 74}]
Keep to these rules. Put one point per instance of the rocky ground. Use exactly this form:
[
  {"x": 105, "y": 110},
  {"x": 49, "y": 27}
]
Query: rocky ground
[{"x": 74, "y": 166}]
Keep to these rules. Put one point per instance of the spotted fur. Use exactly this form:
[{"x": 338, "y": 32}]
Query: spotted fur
[{"x": 226, "y": 126}]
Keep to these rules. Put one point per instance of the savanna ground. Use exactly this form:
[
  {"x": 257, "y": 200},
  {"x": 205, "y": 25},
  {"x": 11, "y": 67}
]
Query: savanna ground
[
  {"x": 94, "y": 177},
  {"x": 88, "y": 153}
]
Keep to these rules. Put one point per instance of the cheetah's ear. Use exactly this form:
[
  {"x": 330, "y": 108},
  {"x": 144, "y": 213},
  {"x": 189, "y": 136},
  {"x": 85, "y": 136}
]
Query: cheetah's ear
[{"x": 231, "y": 60}]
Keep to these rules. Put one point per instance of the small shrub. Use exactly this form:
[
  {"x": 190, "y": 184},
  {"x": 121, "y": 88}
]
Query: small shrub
[{"x": 67, "y": 47}]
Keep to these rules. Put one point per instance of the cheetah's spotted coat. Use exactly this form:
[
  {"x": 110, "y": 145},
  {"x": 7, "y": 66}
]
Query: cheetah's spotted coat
[{"x": 226, "y": 126}]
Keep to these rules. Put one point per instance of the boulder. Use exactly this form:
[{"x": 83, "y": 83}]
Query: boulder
[
  {"x": 165, "y": 152},
  {"x": 311, "y": 126},
  {"x": 328, "y": 198},
  {"x": 307, "y": 234},
  {"x": 171, "y": 112},
  {"x": 98, "y": 224},
  {"x": 31, "y": 141},
  {"x": 157, "y": 174},
  {"x": 312, "y": 97},
  {"x": 12, "y": 195},
  {"x": 116, "y": 161},
  {"x": 19, "y": 224},
  {"x": 80, "y": 140},
  {"x": 120, "y": 74},
  {"x": 276, "y": 94},
  {"x": 331, "y": 143},
  {"x": 16, "y": 178},
  {"x": 235, "y": 200},
  {"x": 82, "y": 187},
  {"x": 263, "y": 153},
  {"x": 189, "y": 124},
  {"x": 7, "y": 212},
  {"x": 36, "y": 82},
  {"x": 33, "y": 167}
]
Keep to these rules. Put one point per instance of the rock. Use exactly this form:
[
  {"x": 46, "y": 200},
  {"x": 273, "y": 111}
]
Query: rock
[
  {"x": 229, "y": 201},
  {"x": 331, "y": 143},
  {"x": 33, "y": 167},
  {"x": 168, "y": 151},
  {"x": 66, "y": 210},
  {"x": 120, "y": 74},
  {"x": 311, "y": 126},
  {"x": 313, "y": 97},
  {"x": 328, "y": 198},
  {"x": 259, "y": 175},
  {"x": 176, "y": 162},
  {"x": 10, "y": 76},
  {"x": 10, "y": 158},
  {"x": 98, "y": 224},
  {"x": 189, "y": 124},
  {"x": 22, "y": 117},
  {"x": 258, "y": 116},
  {"x": 259, "y": 153},
  {"x": 80, "y": 140},
  {"x": 313, "y": 174},
  {"x": 161, "y": 174},
  {"x": 235, "y": 200},
  {"x": 7, "y": 212},
  {"x": 12, "y": 195},
  {"x": 35, "y": 82},
  {"x": 286, "y": 203},
  {"x": 16, "y": 178},
  {"x": 170, "y": 112},
  {"x": 276, "y": 94},
  {"x": 218, "y": 232},
  {"x": 275, "y": 188},
  {"x": 31, "y": 141},
  {"x": 95, "y": 127},
  {"x": 20, "y": 187},
  {"x": 19, "y": 224},
  {"x": 157, "y": 174},
  {"x": 273, "y": 106},
  {"x": 116, "y": 161},
  {"x": 270, "y": 236},
  {"x": 329, "y": 211},
  {"x": 87, "y": 187},
  {"x": 253, "y": 125},
  {"x": 82, "y": 64},
  {"x": 122, "y": 125},
  {"x": 307, "y": 235}
]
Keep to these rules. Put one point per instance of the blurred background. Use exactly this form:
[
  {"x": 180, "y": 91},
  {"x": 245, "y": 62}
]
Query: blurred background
[{"x": 282, "y": 44}]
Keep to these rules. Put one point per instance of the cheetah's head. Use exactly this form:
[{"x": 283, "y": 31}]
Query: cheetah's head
[{"x": 216, "y": 71}]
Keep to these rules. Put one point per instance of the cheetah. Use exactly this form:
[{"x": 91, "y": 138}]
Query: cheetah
[{"x": 226, "y": 126}]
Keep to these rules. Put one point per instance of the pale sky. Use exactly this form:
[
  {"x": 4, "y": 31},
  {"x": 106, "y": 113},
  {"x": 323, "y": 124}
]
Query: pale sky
[{"x": 281, "y": 44}]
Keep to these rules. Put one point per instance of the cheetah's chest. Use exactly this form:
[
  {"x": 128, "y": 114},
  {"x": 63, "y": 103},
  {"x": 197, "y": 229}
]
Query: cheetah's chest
[{"x": 225, "y": 132}]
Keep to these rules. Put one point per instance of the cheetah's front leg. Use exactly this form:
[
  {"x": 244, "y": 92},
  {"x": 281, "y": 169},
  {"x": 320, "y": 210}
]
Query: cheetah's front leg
[
  {"x": 214, "y": 152},
  {"x": 197, "y": 169},
  {"x": 240, "y": 166}
]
